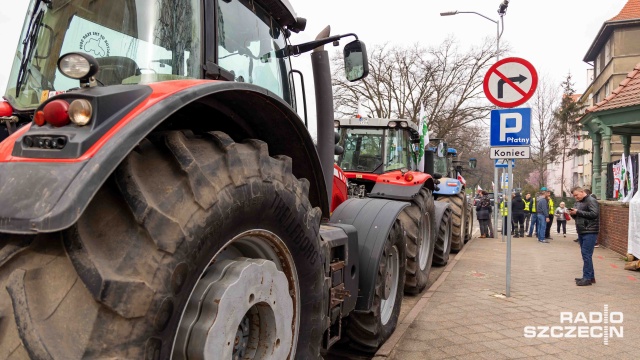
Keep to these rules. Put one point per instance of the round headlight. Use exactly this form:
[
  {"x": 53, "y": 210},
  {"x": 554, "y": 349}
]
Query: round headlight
[
  {"x": 80, "y": 111},
  {"x": 77, "y": 65},
  {"x": 392, "y": 124}
]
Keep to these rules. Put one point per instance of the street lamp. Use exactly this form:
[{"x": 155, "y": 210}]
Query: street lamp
[{"x": 502, "y": 10}]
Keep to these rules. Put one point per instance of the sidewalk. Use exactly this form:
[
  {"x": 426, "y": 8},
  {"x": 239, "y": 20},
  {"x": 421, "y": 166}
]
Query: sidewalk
[{"x": 464, "y": 315}]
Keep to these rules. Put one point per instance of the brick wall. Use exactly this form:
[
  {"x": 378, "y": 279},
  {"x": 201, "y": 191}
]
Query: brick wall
[{"x": 614, "y": 226}]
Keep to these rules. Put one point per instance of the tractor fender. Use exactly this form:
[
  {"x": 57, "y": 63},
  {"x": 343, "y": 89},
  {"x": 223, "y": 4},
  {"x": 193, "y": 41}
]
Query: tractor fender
[
  {"x": 47, "y": 195},
  {"x": 373, "y": 219},
  {"x": 395, "y": 192},
  {"x": 441, "y": 208},
  {"x": 446, "y": 189}
]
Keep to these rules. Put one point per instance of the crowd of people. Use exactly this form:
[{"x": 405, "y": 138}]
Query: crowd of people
[{"x": 537, "y": 214}]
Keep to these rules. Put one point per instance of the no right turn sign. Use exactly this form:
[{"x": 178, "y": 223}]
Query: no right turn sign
[{"x": 510, "y": 82}]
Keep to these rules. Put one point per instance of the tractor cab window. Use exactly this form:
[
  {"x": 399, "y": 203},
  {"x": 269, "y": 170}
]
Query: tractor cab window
[
  {"x": 440, "y": 164},
  {"x": 133, "y": 41},
  {"x": 398, "y": 150},
  {"x": 362, "y": 149},
  {"x": 249, "y": 40}
]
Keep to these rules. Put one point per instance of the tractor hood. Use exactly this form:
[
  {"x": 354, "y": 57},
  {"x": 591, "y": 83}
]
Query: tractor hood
[{"x": 449, "y": 186}]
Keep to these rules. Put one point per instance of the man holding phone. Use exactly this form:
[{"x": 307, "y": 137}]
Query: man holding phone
[{"x": 587, "y": 216}]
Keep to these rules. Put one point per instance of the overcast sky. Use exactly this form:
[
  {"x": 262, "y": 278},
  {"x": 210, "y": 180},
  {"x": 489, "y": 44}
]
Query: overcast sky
[{"x": 553, "y": 35}]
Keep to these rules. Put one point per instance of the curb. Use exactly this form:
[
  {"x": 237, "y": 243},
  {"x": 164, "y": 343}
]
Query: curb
[{"x": 386, "y": 348}]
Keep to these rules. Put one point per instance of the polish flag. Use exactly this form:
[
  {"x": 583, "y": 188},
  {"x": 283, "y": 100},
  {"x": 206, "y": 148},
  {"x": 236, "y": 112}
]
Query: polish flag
[{"x": 461, "y": 179}]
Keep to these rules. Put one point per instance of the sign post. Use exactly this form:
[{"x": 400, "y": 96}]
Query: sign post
[{"x": 509, "y": 83}]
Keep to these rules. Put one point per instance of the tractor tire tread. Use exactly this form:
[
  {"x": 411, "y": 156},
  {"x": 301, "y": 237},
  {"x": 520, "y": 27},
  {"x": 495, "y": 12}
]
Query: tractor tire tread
[
  {"x": 458, "y": 220},
  {"x": 90, "y": 291}
]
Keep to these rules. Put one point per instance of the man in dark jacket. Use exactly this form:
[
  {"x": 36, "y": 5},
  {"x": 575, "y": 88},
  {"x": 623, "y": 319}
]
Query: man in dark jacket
[
  {"x": 586, "y": 212},
  {"x": 483, "y": 212},
  {"x": 542, "y": 212},
  {"x": 517, "y": 209}
]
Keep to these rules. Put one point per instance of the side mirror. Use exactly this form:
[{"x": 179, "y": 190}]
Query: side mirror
[
  {"x": 356, "y": 64},
  {"x": 472, "y": 163}
]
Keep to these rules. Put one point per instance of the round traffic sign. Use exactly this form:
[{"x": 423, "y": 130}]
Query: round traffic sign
[{"x": 510, "y": 82}]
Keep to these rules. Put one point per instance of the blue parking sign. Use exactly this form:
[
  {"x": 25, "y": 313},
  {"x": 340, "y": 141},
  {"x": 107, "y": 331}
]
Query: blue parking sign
[{"x": 511, "y": 127}]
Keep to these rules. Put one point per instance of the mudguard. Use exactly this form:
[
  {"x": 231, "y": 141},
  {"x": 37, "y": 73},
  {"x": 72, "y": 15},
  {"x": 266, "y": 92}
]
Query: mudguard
[
  {"x": 441, "y": 207},
  {"x": 373, "y": 219},
  {"x": 46, "y": 195},
  {"x": 395, "y": 192},
  {"x": 449, "y": 186}
]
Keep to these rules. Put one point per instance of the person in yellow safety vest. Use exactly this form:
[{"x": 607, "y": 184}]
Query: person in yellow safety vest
[
  {"x": 534, "y": 221},
  {"x": 527, "y": 210},
  {"x": 547, "y": 233},
  {"x": 504, "y": 211}
]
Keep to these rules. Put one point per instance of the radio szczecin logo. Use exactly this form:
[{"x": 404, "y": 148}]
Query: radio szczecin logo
[{"x": 594, "y": 324}]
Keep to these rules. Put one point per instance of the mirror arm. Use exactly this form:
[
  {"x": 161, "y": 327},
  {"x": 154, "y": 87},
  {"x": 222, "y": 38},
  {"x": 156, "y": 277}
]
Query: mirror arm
[{"x": 292, "y": 50}]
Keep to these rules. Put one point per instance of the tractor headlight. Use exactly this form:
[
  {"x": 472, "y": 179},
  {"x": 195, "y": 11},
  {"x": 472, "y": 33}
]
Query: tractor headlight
[
  {"x": 80, "y": 111},
  {"x": 77, "y": 65}
]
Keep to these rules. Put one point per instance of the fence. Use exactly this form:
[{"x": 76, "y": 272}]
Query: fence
[{"x": 634, "y": 161}]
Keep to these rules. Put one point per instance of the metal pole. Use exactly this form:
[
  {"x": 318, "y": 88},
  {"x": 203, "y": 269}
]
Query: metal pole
[
  {"x": 498, "y": 40},
  {"x": 509, "y": 217},
  {"x": 504, "y": 199},
  {"x": 495, "y": 200},
  {"x": 496, "y": 185}
]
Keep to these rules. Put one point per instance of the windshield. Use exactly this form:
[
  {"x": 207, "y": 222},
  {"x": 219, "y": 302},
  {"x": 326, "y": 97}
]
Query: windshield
[
  {"x": 440, "y": 165},
  {"x": 398, "y": 150},
  {"x": 362, "y": 149},
  {"x": 375, "y": 149},
  {"x": 133, "y": 41},
  {"x": 248, "y": 41}
]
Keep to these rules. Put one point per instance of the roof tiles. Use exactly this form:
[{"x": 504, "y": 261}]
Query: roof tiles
[
  {"x": 626, "y": 94},
  {"x": 630, "y": 11}
]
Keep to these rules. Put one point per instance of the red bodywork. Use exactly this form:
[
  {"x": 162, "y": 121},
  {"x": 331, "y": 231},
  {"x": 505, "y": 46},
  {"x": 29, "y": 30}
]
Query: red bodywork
[
  {"x": 339, "y": 191},
  {"x": 160, "y": 91},
  {"x": 392, "y": 177}
]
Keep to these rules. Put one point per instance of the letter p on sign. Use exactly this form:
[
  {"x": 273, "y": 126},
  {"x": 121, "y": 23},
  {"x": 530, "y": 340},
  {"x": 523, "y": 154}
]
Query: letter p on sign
[{"x": 510, "y": 123}]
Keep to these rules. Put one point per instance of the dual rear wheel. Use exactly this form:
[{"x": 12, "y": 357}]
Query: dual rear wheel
[{"x": 196, "y": 247}]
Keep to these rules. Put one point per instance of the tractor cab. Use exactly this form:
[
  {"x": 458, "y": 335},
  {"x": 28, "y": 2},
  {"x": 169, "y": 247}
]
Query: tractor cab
[
  {"x": 445, "y": 163},
  {"x": 67, "y": 45},
  {"x": 376, "y": 149},
  {"x": 445, "y": 160}
]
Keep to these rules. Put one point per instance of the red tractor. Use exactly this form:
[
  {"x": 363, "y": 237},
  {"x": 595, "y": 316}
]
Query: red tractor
[
  {"x": 380, "y": 161},
  {"x": 162, "y": 199}
]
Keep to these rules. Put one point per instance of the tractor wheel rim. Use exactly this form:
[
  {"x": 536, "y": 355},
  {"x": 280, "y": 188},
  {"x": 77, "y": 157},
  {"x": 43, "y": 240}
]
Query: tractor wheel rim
[
  {"x": 242, "y": 307},
  {"x": 392, "y": 270},
  {"x": 425, "y": 241}
]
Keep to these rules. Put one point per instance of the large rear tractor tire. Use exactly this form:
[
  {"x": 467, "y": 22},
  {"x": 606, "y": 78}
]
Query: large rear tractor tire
[
  {"x": 196, "y": 247},
  {"x": 458, "y": 218},
  {"x": 469, "y": 227},
  {"x": 443, "y": 241},
  {"x": 368, "y": 330},
  {"x": 418, "y": 221}
]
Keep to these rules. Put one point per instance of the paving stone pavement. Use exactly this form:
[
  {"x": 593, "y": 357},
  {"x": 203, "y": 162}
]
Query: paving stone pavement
[{"x": 466, "y": 317}]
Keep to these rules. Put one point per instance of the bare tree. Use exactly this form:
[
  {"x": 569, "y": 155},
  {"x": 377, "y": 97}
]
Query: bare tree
[
  {"x": 174, "y": 31},
  {"x": 543, "y": 150},
  {"x": 446, "y": 81}
]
